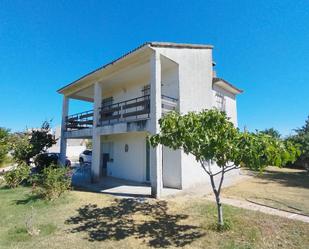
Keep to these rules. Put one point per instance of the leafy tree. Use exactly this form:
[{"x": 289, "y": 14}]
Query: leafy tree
[
  {"x": 4, "y": 143},
  {"x": 28, "y": 144},
  {"x": 220, "y": 147},
  {"x": 272, "y": 132},
  {"x": 89, "y": 144},
  {"x": 302, "y": 138}
]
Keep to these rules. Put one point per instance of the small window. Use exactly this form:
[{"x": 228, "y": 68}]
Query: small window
[{"x": 220, "y": 102}]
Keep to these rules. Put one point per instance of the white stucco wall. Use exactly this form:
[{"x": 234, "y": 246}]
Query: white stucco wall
[
  {"x": 171, "y": 167},
  {"x": 129, "y": 165},
  {"x": 127, "y": 92},
  {"x": 195, "y": 77},
  {"x": 195, "y": 93},
  {"x": 72, "y": 152},
  {"x": 230, "y": 103},
  {"x": 170, "y": 81}
]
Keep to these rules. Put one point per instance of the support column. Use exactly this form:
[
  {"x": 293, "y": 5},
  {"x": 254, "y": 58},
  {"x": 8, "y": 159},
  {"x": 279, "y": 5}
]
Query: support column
[
  {"x": 63, "y": 139},
  {"x": 155, "y": 115},
  {"x": 96, "y": 166}
]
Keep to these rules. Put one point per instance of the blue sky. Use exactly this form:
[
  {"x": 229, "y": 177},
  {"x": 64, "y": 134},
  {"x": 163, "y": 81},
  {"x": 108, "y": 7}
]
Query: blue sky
[{"x": 260, "y": 46}]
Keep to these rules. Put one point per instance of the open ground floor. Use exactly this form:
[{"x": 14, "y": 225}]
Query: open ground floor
[{"x": 128, "y": 157}]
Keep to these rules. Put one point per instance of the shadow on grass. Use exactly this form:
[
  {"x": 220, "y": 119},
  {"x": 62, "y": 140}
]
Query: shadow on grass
[
  {"x": 289, "y": 179},
  {"x": 132, "y": 218},
  {"x": 28, "y": 199}
]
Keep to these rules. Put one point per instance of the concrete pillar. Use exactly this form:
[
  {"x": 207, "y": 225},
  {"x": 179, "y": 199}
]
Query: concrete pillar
[
  {"x": 63, "y": 139},
  {"x": 96, "y": 166},
  {"x": 155, "y": 115}
]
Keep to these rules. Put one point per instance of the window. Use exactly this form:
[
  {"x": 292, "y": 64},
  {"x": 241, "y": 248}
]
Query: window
[{"x": 220, "y": 102}]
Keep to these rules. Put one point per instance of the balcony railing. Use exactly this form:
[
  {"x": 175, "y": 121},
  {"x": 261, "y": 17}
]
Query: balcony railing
[
  {"x": 80, "y": 120},
  {"x": 125, "y": 111},
  {"x": 168, "y": 104},
  {"x": 129, "y": 110}
]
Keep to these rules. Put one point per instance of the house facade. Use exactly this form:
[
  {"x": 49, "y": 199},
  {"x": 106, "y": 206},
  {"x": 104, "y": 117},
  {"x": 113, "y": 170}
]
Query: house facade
[{"x": 129, "y": 96}]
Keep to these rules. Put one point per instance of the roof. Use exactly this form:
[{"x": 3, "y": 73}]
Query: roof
[
  {"x": 226, "y": 85},
  {"x": 149, "y": 44}
]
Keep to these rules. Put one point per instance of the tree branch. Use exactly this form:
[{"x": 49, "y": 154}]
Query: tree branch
[
  {"x": 221, "y": 181},
  {"x": 235, "y": 167},
  {"x": 219, "y": 172},
  {"x": 204, "y": 168}
]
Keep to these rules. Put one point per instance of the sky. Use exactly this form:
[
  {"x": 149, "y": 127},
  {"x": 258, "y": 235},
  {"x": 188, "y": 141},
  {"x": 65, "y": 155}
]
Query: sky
[{"x": 260, "y": 46}]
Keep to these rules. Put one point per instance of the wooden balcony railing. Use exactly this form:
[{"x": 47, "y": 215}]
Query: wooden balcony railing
[
  {"x": 129, "y": 110},
  {"x": 125, "y": 111},
  {"x": 80, "y": 120}
]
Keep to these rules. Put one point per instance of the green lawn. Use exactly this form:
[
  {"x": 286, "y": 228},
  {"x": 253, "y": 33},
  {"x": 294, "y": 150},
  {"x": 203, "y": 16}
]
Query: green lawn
[
  {"x": 283, "y": 188},
  {"x": 89, "y": 220},
  {"x": 6, "y": 162}
]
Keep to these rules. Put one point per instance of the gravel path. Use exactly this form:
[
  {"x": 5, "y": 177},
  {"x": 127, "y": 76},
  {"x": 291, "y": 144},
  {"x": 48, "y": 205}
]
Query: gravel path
[{"x": 260, "y": 208}]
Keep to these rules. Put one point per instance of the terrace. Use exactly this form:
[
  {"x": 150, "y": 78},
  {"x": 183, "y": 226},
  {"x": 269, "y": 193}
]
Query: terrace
[{"x": 131, "y": 110}]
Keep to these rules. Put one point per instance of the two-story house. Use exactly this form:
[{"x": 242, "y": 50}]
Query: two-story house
[{"x": 129, "y": 96}]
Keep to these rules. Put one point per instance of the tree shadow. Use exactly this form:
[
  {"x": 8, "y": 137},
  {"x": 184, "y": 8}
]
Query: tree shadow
[
  {"x": 28, "y": 199},
  {"x": 134, "y": 218},
  {"x": 290, "y": 179}
]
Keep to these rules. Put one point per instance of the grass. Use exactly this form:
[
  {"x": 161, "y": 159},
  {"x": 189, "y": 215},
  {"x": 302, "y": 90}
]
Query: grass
[
  {"x": 90, "y": 220},
  {"x": 283, "y": 188},
  {"x": 6, "y": 162}
]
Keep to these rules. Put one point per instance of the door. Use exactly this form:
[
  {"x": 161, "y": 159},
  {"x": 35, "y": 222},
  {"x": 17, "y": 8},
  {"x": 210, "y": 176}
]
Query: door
[
  {"x": 105, "y": 161},
  {"x": 147, "y": 161}
]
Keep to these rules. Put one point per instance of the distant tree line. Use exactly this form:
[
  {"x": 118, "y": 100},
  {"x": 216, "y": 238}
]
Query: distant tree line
[{"x": 299, "y": 138}]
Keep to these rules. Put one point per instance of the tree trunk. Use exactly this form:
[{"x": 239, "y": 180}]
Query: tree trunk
[
  {"x": 219, "y": 209},
  {"x": 218, "y": 201}
]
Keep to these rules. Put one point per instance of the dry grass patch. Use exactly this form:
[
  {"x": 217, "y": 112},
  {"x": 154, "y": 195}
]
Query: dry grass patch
[
  {"x": 89, "y": 220},
  {"x": 283, "y": 188}
]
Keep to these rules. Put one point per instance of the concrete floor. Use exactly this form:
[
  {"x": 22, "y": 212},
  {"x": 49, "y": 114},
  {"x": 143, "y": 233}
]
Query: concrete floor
[
  {"x": 109, "y": 185},
  {"x": 124, "y": 188}
]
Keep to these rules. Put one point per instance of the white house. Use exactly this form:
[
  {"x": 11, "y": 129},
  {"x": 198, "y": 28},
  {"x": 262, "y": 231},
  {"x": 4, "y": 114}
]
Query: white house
[{"x": 129, "y": 96}]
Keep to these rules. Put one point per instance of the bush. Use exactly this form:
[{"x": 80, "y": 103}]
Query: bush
[
  {"x": 4, "y": 144},
  {"x": 16, "y": 176},
  {"x": 52, "y": 182}
]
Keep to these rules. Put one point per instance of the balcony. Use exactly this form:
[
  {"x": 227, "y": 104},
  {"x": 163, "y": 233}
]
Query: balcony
[{"x": 125, "y": 111}]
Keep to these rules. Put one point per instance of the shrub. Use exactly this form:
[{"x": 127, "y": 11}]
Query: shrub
[
  {"x": 4, "y": 145},
  {"x": 16, "y": 176},
  {"x": 52, "y": 182},
  {"x": 302, "y": 138}
]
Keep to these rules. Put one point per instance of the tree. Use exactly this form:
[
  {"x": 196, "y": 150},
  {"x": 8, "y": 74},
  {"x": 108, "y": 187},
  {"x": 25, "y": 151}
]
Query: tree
[
  {"x": 302, "y": 138},
  {"x": 272, "y": 132},
  {"x": 219, "y": 147},
  {"x": 27, "y": 144},
  {"x": 89, "y": 144},
  {"x": 4, "y": 143}
]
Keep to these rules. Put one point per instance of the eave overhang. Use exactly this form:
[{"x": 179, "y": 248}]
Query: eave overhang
[
  {"x": 145, "y": 48},
  {"x": 226, "y": 86}
]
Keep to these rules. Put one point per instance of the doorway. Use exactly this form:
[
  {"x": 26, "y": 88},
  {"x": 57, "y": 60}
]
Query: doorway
[{"x": 147, "y": 161}]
